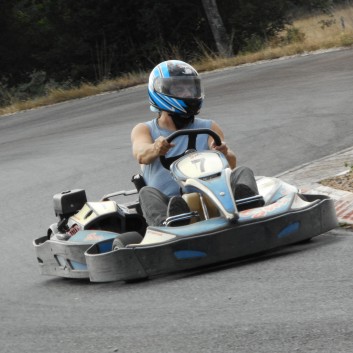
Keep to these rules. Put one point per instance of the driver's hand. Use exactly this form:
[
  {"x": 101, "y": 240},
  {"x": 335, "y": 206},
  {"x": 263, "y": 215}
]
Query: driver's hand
[
  {"x": 222, "y": 148},
  {"x": 161, "y": 146}
]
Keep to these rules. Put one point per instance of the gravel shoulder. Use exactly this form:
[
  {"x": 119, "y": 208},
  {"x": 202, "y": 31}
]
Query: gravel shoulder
[{"x": 341, "y": 182}]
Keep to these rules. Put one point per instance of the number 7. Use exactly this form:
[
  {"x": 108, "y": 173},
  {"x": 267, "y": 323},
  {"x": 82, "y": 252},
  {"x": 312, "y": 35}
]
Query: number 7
[{"x": 201, "y": 163}]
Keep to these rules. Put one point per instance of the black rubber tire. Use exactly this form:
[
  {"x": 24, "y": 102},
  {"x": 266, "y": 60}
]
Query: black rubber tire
[{"x": 126, "y": 238}]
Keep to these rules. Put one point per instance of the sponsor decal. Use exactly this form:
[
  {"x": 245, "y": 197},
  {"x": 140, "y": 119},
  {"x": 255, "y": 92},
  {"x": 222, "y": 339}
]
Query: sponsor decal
[
  {"x": 73, "y": 230},
  {"x": 267, "y": 210},
  {"x": 94, "y": 237}
]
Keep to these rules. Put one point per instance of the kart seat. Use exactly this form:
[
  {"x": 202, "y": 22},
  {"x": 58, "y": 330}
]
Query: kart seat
[{"x": 195, "y": 204}]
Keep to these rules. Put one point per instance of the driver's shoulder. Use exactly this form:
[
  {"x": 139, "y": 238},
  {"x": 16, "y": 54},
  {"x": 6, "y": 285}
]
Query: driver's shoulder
[
  {"x": 140, "y": 129},
  {"x": 145, "y": 126},
  {"x": 216, "y": 127},
  {"x": 200, "y": 123}
]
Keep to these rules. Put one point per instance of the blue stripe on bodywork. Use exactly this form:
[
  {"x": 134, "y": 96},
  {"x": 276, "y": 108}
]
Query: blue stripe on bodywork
[
  {"x": 61, "y": 260},
  {"x": 78, "y": 266},
  {"x": 195, "y": 228},
  {"x": 105, "y": 246},
  {"x": 219, "y": 187},
  {"x": 289, "y": 229},
  {"x": 189, "y": 254}
]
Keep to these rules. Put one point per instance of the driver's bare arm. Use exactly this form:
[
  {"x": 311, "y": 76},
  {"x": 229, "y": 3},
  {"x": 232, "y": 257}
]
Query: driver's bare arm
[
  {"x": 143, "y": 147},
  {"x": 229, "y": 154}
]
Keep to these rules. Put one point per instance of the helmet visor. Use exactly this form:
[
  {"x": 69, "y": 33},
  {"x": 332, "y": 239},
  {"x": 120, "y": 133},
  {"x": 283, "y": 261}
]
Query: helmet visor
[{"x": 179, "y": 87}]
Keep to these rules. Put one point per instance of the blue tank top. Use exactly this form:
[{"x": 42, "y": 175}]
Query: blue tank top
[{"x": 155, "y": 174}]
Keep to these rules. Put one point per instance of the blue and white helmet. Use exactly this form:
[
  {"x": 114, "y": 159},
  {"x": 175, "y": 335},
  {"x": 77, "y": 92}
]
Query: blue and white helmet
[{"x": 175, "y": 87}]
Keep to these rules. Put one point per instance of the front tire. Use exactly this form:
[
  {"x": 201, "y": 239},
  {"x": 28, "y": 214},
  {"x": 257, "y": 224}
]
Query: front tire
[{"x": 125, "y": 239}]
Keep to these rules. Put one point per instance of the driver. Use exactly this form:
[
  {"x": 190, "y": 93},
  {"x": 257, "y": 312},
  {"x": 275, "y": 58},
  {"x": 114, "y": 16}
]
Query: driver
[{"x": 176, "y": 94}]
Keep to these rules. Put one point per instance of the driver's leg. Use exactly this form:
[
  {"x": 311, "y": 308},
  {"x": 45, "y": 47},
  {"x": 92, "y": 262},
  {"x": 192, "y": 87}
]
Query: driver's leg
[
  {"x": 243, "y": 183},
  {"x": 154, "y": 205}
]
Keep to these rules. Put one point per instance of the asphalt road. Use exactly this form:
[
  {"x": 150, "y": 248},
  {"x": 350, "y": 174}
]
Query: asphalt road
[{"x": 276, "y": 115}]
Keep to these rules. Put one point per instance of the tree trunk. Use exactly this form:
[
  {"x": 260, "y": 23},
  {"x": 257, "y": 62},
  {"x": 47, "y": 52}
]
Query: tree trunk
[{"x": 217, "y": 27}]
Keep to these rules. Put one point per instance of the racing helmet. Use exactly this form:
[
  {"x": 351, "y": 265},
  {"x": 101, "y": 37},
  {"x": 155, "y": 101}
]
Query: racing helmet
[{"x": 175, "y": 86}]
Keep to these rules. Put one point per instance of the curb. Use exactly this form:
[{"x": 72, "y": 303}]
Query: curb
[
  {"x": 343, "y": 201},
  {"x": 307, "y": 178}
]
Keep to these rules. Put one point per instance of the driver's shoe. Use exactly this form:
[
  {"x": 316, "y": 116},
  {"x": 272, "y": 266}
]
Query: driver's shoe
[
  {"x": 176, "y": 206},
  {"x": 243, "y": 191}
]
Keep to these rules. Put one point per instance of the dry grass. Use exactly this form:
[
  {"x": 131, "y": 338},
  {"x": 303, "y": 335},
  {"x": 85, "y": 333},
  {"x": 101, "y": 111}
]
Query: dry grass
[
  {"x": 85, "y": 90},
  {"x": 338, "y": 32},
  {"x": 316, "y": 37}
]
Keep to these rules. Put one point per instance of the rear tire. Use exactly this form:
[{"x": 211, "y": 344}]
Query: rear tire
[{"x": 126, "y": 238}]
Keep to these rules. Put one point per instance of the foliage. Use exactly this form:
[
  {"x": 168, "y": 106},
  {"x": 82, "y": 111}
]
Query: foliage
[
  {"x": 81, "y": 41},
  {"x": 349, "y": 165},
  {"x": 328, "y": 22},
  {"x": 251, "y": 22},
  {"x": 291, "y": 35},
  {"x": 92, "y": 40}
]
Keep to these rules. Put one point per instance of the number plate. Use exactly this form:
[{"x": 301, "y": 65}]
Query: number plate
[{"x": 199, "y": 165}]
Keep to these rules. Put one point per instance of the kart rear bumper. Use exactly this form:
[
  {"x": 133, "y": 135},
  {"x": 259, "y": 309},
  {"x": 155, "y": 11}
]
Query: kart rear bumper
[{"x": 61, "y": 258}]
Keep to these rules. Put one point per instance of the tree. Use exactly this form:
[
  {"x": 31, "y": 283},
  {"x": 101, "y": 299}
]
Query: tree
[
  {"x": 89, "y": 40},
  {"x": 253, "y": 22},
  {"x": 217, "y": 27}
]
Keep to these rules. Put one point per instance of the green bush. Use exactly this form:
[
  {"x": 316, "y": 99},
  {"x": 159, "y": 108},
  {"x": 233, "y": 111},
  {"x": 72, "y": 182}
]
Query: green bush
[
  {"x": 294, "y": 35},
  {"x": 253, "y": 44}
]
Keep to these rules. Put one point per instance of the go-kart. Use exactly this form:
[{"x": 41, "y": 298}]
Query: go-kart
[{"x": 109, "y": 241}]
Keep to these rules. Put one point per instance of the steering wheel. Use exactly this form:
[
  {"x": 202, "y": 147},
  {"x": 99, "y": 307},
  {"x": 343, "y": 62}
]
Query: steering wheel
[{"x": 192, "y": 134}]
